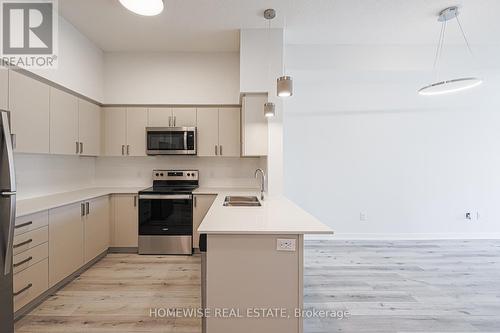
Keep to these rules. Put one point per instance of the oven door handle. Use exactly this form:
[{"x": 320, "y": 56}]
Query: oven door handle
[{"x": 165, "y": 196}]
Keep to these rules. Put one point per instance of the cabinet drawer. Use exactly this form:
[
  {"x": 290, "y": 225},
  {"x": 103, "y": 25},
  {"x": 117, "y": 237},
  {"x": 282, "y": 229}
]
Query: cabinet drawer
[
  {"x": 30, "y": 239},
  {"x": 30, "y": 257},
  {"x": 30, "y": 283},
  {"x": 28, "y": 223}
]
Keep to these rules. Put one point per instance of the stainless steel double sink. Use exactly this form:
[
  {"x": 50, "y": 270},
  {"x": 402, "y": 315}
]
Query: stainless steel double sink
[{"x": 242, "y": 201}]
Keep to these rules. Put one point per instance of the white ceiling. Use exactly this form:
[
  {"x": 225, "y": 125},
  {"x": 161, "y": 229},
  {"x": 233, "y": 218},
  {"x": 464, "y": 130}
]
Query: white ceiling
[{"x": 212, "y": 25}]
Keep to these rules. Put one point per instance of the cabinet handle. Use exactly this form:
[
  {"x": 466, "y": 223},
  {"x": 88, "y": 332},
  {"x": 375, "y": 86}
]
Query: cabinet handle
[
  {"x": 22, "y": 243},
  {"x": 22, "y": 262},
  {"x": 17, "y": 293},
  {"x": 77, "y": 148},
  {"x": 220, "y": 149},
  {"x": 14, "y": 143},
  {"x": 195, "y": 201},
  {"x": 83, "y": 209},
  {"x": 175, "y": 121},
  {"x": 215, "y": 150},
  {"x": 123, "y": 150},
  {"x": 23, "y": 225},
  {"x": 135, "y": 200},
  {"x": 81, "y": 147},
  {"x": 87, "y": 207},
  {"x": 128, "y": 150}
]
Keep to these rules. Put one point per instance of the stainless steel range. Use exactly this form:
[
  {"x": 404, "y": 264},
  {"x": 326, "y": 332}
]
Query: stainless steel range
[{"x": 166, "y": 213}]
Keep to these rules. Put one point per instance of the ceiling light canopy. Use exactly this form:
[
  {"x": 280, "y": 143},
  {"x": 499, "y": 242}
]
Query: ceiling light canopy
[
  {"x": 144, "y": 7},
  {"x": 454, "y": 85}
]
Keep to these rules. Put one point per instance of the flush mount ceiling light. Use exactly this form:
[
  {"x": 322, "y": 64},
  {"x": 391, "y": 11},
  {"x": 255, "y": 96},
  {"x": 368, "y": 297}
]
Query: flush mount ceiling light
[
  {"x": 144, "y": 7},
  {"x": 269, "y": 109},
  {"x": 454, "y": 85}
]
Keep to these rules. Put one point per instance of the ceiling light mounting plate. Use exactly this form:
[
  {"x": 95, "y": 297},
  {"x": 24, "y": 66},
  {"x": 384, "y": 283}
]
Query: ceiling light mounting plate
[
  {"x": 269, "y": 14},
  {"x": 448, "y": 14}
]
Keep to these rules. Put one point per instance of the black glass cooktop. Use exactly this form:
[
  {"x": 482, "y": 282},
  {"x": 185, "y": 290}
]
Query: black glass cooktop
[{"x": 169, "y": 189}]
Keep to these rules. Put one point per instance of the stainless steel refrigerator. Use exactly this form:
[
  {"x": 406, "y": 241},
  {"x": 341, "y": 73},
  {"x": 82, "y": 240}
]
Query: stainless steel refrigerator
[{"x": 7, "y": 219}]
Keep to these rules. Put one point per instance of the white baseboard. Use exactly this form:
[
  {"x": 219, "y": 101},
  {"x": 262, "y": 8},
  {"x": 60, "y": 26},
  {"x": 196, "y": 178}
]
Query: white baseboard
[{"x": 403, "y": 236}]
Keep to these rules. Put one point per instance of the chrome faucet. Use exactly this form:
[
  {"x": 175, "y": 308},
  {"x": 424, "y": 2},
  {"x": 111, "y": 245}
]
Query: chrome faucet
[{"x": 263, "y": 182}]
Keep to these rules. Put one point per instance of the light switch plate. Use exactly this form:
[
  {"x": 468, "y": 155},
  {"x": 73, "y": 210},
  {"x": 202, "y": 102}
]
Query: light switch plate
[{"x": 285, "y": 244}]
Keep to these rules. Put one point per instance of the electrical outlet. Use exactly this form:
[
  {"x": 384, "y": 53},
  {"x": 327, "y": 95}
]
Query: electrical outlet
[
  {"x": 468, "y": 216},
  {"x": 363, "y": 216},
  {"x": 285, "y": 245}
]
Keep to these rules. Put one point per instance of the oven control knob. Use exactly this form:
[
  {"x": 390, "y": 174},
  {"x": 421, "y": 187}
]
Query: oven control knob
[
  {"x": 157, "y": 174},
  {"x": 161, "y": 174},
  {"x": 188, "y": 174}
]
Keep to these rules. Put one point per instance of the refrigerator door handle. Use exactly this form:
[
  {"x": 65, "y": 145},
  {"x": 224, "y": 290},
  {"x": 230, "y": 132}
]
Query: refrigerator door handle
[{"x": 10, "y": 194}]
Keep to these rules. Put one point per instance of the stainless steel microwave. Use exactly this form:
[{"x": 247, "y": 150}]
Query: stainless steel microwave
[{"x": 171, "y": 140}]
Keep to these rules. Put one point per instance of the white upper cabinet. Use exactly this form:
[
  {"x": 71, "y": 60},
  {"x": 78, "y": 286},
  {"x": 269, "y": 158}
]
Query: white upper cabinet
[
  {"x": 229, "y": 132},
  {"x": 137, "y": 121},
  {"x": 115, "y": 131},
  {"x": 208, "y": 132},
  {"x": 63, "y": 123},
  {"x": 4, "y": 88},
  {"x": 184, "y": 117},
  {"x": 29, "y": 106},
  {"x": 254, "y": 131},
  {"x": 89, "y": 128},
  {"x": 219, "y": 132},
  {"x": 160, "y": 117},
  {"x": 125, "y": 131},
  {"x": 168, "y": 117}
]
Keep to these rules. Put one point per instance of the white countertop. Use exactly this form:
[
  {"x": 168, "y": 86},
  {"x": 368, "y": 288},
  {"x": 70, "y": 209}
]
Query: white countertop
[
  {"x": 277, "y": 215},
  {"x": 38, "y": 204}
]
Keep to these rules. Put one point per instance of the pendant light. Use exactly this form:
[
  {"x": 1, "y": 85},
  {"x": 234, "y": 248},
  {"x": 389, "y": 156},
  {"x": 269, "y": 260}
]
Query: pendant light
[
  {"x": 269, "y": 14},
  {"x": 269, "y": 109},
  {"x": 144, "y": 7},
  {"x": 284, "y": 84},
  {"x": 453, "y": 85}
]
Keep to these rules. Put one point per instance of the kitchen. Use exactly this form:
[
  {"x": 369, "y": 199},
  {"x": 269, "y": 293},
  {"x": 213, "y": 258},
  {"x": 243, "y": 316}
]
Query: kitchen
[
  {"x": 83, "y": 161},
  {"x": 249, "y": 166}
]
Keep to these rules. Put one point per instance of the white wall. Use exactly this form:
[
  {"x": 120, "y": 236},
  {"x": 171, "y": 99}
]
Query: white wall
[
  {"x": 38, "y": 175},
  {"x": 358, "y": 139},
  {"x": 80, "y": 65},
  {"x": 171, "y": 78},
  {"x": 214, "y": 172}
]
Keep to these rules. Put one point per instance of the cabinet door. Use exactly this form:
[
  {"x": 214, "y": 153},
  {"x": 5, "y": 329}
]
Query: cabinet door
[
  {"x": 229, "y": 132},
  {"x": 254, "y": 131},
  {"x": 63, "y": 123},
  {"x": 115, "y": 131},
  {"x": 202, "y": 203},
  {"x": 160, "y": 117},
  {"x": 137, "y": 121},
  {"x": 208, "y": 132},
  {"x": 29, "y": 106},
  {"x": 4, "y": 88},
  {"x": 65, "y": 242},
  {"x": 184, "y": 117},
  {"x": 89, "y": 120},
  {"x": 125, "y": 220},
  {"x": 96, "y": 228}
]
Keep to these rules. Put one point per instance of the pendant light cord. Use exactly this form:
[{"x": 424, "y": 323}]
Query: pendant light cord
[
  {"x": 465, "y": 37},
  {"x": 439, "y": 48}
]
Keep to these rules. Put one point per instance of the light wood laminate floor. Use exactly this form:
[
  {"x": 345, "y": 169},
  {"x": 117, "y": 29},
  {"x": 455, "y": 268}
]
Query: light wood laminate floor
[{"x": 386, "y": 286}]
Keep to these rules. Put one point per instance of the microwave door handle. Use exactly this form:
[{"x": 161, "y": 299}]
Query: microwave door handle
[{"x": 185, "y": 140}]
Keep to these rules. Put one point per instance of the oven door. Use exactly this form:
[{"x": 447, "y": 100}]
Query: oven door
[
  {"x": 171, "y": 140},
  {"x": 161, "y": 215}
]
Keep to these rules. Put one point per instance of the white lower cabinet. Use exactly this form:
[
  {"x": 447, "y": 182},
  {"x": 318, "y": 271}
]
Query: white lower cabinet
[
  {"x": 201, "y": 205},
  {"x": 125, "y": 220},
  {"x": 66, "y": 250},
  {"x": 30, "y": 283},
  {"x": 96, "y": 226}
]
